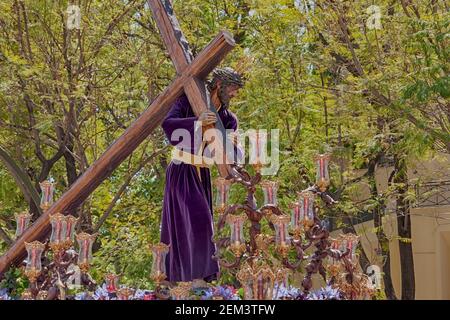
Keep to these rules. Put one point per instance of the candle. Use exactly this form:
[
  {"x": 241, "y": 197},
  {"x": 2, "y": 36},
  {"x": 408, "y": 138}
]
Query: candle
[
  {"x": 260, "y": 291},
  {"x": 112, "y": 281},
  {"x": 222, "y": 191},
  {"x": 22, "y": 221},
  {"x": 306, "y": 200},
  {"x": 281, "y": 236},
  {"x": 297, "y": 215},
  {"x": 85, "y": 242},
  {"x": 34, "y": 255},
  {"x": 236, "y": 223},
  {"x": 71, "y": 222},
  {"x": 270, "y": 189},
  {"x": 322, "y": 175},
  {"x": 58, "y": 235},
  {"x": 159, "y": 252},
  {"x": 258, "y": 139},
  {"x": 47, "y": 189}
]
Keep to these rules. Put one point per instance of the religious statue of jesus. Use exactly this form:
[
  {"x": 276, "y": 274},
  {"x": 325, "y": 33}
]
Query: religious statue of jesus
[{"x": 187, "y": 220}]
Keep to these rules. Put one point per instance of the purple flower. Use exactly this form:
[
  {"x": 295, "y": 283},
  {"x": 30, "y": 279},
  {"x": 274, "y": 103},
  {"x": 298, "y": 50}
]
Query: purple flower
[
  {"x": 4, "y": 295},
  {"x": 83, "y": 296},
  {"x": 327, "y": 293},
  {"x": 102, "y": 293},
  {"x": 281, "y": 292},
  {"x": 207, "y": 294},
  {"x": 226, "y": 292}
]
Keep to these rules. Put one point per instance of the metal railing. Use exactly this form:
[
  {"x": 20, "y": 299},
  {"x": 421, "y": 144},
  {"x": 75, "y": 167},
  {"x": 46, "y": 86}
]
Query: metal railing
[{"x": 431, "y": 194}]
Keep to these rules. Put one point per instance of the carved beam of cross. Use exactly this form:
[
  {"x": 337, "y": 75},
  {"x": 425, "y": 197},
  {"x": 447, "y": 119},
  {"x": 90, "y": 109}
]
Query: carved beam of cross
[
  {"x": 190, "y": 74},
  {"x": 194, "y": 87}
]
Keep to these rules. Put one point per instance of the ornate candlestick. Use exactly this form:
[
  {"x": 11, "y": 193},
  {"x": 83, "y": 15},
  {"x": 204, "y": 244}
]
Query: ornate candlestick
[
  {"x": 71, "y": 222},
  {"x": 33, "y": 267},
  {"x": 47, "y": 190},
  {"x": 26, "y": 295},
  {"x": 282, "y": 240},
  {"x": 307, "y": 229},
  {"x": 22, "y": 221},
  {"x": 237, "y": 241},
  {"x": 222, "y": 191},
  {"x": 350, "y": 243},
  {"x": 258, "y": 279},
  {"x": 322, "y": 175},
  {"x": 334, "y": 266},
  {"x": 253, "y": 261},
  {"x": 344, "y": 272},
  {"x": 270, "y": 189},
  {"x": 58, "y": 235},
  {"x": 112, "y": 282},
  {"x": 158, "y": 274},
  {"x": 42, "y": 295},
  {"x": 297, "y": 219},
  {"x": 51, "y": 275},
  {"x": 125, "y": 293},
  {"x": 85, "y": 242},
  {"x": 258, "y": 140},
  {"x": 159, "y": 251},
  {"x": 306, "y": 200},
  {"x": 181, "y": 291}
]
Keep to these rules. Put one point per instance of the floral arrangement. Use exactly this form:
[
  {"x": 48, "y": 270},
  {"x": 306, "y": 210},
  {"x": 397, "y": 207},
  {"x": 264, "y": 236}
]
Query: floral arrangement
[
  {"x": 292, "y": 293},
  {"x": 223, "y": 292},
  {"x": 327, "y": 293},
  {"x": 102, "y": 293}
]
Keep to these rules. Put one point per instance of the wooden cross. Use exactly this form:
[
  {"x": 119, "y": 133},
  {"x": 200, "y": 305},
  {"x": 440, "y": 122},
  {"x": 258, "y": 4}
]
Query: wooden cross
[{"x": 191, "y": 73}]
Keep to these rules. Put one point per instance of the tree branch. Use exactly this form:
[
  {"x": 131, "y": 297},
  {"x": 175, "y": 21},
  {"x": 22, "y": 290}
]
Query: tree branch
[
  {"x": 124, "y": 186},
  {"x": 4, "y": 236},
  {"x": 21, "y": 178}
]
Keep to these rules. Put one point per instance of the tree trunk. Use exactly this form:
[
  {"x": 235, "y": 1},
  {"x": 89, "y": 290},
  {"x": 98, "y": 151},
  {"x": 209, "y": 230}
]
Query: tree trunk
[
  {"x": 404, "y": 230},
  {"x": 71, "y": 168},
  {"x": 384, "y": 245},
  {"x": 382, "y": 239}
]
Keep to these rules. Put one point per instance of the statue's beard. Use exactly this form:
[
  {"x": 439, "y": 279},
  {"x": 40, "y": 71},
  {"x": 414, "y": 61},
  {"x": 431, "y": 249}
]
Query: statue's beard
[{"x": 224, "y": 97}]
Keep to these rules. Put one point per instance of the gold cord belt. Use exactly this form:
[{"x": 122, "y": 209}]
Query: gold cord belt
[{"x": 192, "y": 159}]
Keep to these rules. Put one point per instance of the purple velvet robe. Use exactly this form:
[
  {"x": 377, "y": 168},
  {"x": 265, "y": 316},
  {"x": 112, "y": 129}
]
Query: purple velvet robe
[{"x": 187, "y": 221}]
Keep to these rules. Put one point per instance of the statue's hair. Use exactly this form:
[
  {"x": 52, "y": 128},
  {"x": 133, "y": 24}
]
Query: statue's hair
[{"x": 228, "y": 76}]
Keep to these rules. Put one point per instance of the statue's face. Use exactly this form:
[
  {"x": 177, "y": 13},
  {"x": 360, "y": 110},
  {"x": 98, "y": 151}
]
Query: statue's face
[
  {"x": 226, "y": 93},
  {"x": 232, "y": 90}
]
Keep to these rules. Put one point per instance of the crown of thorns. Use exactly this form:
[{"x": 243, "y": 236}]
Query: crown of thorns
[{"x": 228, "y": 76}]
